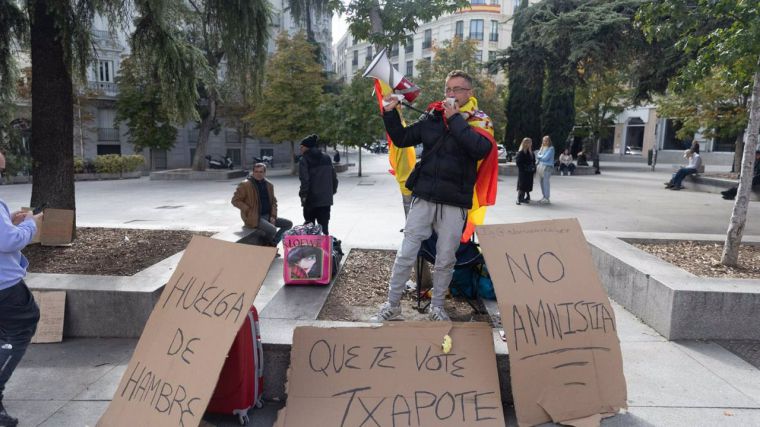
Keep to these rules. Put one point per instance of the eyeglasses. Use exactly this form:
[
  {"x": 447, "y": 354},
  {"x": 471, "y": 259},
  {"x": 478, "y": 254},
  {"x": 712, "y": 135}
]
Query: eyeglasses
[{"x": 457, "y": 89}]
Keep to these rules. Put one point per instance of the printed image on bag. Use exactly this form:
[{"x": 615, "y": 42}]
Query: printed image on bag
[{"x": 308, "y": 260}]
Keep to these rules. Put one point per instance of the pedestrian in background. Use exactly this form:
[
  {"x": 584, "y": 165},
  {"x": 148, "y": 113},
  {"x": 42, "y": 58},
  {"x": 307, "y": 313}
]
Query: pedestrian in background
[
  {"x": 19, "y": 312},
  {"x": 566, "y": 163},
  {"x": 526, "y": 169},
  {"x": 545, "y": 157},
  {"x": 319, "y": 183}
]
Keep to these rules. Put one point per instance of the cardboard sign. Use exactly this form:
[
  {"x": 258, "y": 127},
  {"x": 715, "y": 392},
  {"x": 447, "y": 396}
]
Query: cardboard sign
[
  {"x": 308, "y": 259},
  {"x": 564, "y": 351},
  {"x": 177, "y": 361},
  {"x": 394, "y": 375},
  {"x": 52, "y": 308},
  {"x": 57, "y": 226}
]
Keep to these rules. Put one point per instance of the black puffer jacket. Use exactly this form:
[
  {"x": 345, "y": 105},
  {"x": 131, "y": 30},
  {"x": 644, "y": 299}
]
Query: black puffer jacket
[
  {"x": 448, "y": 176},
  {"x": 318, "y": 179}
]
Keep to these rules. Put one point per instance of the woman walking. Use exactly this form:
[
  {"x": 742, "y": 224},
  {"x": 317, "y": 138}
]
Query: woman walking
[
  {"x": 545, "y": 158},
  {"x": 526, "y": 168}
]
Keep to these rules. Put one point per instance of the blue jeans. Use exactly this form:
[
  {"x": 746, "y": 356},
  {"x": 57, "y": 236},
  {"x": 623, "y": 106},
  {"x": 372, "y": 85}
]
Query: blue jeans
[
  {"x": 19, "y": 315},
  {"x": 680, "y": 175},
  {"x": 544, "y": 180}
]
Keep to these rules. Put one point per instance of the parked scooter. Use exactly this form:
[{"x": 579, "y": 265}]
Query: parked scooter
[{"x": 221, "y": 163}]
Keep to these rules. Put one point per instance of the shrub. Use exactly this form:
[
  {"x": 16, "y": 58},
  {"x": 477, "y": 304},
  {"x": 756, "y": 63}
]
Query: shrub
[{"x": 114, "y": 163}]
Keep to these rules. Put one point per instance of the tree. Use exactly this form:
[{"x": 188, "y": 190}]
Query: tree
[
  {"x": 733, "y": 40},
  {"x": 598, "y": 99},
  {"x": 716, "y": 106},
  {"x": 139, "y": 106},
  {"x": 458, "y": 54},
  {"x": 287, "y": 110}
]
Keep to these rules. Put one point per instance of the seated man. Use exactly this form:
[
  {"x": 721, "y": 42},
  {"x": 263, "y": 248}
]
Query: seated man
[
  {"x": 582, "y": 160},
  {"x": 695, "y": 162},
  {"x": 258, "y": 206},
  {"x": 730, "y": 194},
  {"x": 566, "y": 163}
]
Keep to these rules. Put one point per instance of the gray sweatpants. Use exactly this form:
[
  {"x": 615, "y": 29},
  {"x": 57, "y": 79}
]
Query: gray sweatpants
[{"x": 424, "y": 217}]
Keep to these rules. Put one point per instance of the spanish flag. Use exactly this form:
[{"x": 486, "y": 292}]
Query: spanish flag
[
  {"x": 402, "y": 160},
  {"x": 484, "y": 193}
]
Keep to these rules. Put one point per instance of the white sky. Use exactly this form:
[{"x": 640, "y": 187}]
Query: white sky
[{"x": 339, "y": 27}]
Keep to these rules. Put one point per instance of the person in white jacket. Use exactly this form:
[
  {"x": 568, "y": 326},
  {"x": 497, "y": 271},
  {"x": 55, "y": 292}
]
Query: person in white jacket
[{"x": 695, "y": 163}]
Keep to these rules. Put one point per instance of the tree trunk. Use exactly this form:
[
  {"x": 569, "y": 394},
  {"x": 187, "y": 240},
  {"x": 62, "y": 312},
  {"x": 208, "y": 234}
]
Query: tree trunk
[
  {"x": 360, "y": 161},
  {"x": 199, "y": 163},
  {"x": 739, "y": 214},
  {"x": 293, "y": 170},
  {"x": 375, "y": 19},
  {"x": 52, "y": 145},
  {"x": 242, "y": 131},
  {"x": 738, "y": 150}
]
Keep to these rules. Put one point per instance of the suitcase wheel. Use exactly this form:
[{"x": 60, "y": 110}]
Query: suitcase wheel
[
  {"x": 243, "y": 419},
  {"x": 259, "y": 404}
]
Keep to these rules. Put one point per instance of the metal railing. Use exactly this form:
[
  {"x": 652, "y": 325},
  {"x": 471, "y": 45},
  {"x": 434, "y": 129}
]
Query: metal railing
[
  {"x": 107, "y": 88},
  {"x": 101, "y": 34},
  {"x": 108, "y": 134}
]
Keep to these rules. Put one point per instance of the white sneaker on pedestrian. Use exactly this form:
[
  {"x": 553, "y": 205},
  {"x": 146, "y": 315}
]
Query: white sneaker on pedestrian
[
  {"x": 438, "y": 314},
  {"x": 386, "y": 313},
  {"x": 544, "y": 201}
]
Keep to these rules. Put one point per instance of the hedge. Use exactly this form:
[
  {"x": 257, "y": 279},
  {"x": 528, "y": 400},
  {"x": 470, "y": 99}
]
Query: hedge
[{"x": 109, "y": 163}]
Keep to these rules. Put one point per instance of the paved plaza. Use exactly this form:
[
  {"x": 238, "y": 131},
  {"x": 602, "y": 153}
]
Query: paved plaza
[{"x": 687, "y": 383}]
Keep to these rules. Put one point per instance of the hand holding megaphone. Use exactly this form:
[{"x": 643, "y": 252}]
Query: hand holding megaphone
[{"x": 391, "y": 101}]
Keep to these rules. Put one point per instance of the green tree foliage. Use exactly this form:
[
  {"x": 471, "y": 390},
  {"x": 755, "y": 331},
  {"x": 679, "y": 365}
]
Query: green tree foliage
[
  {"x": 458, "y": 54},
  {"x": 714, "y": 34},
  {"x": 139, "y": 106},
  {"x": 524, "y": 62},
  {"x": 598, "y": 99},
  {"x": 288, "y": 108}
]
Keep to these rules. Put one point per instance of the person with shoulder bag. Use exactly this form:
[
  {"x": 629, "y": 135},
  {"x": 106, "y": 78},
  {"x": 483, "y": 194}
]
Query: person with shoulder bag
[
  {"x": 545, "y": 158},
  {"x": 526, "y": 168}
]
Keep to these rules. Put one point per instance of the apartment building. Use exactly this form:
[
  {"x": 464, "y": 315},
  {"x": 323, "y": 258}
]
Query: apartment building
[
  {"x": 488, "y": 22},
  {"x": 95, "y": 131}
]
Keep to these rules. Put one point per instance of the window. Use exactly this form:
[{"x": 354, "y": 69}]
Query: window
[
  {"x": 476, "y": 29},
  {"x": 234, "y": 154},
  {"x": 409, "y": 45},
  {"x": 474, "y": 2},
  {"x": 409, "y": 68},
  {"x": 355, "y": 61},
  {"x": 192, "y": 155},
  {"x": 495, "y": 2},
  {"x": 369, "y": 54},
  {"x": 104, "y": 71},
  {"x": 394, "y": 49},
  {"x": 478, "y": 56},
  {"x": 672, "y": 142},
  {"x": 427, "y": 43},
  {"x": 494, "y": 36},
  {"x": 459, "y": 29},
  {"x": 104, "y": 149},
  {"x": 158, "y": 159},
  {"x": 492, "y": 55}
]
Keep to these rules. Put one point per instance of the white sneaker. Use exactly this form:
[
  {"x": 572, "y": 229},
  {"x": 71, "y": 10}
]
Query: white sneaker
[
  {"x": 544, "y": 201},
  {"x": 387, "y": 312},
  {"x": 438, "y": 314}
]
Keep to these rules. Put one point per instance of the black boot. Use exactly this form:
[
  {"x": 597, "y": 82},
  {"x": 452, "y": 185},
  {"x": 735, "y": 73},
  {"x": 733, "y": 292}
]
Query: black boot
[{"x": 5, "y": 419}]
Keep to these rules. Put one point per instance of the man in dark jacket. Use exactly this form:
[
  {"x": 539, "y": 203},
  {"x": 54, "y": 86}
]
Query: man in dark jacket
[
  {"x": 319, "y": 183},
  {"x": 442, "y": 188},
  {"x": 730, "y": 194},
  {"x": 258, "y": 205}
]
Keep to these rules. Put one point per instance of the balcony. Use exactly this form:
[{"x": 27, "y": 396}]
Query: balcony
[
  {"x": 108, "y": 134},
  {"x": 101, "y": 34},
  {"x": 104, "y": 88}
]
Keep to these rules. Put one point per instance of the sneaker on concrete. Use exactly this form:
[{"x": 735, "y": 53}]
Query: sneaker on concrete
[
  {"x": 438, "y": 314},
  {"x": 387, "y": 312},
  {"x": 544, "y": 201},
  {"x": 5, "y": 419}
]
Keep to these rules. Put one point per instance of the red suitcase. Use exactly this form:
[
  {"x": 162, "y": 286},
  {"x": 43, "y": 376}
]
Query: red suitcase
[{"x": 241, "y": 381}]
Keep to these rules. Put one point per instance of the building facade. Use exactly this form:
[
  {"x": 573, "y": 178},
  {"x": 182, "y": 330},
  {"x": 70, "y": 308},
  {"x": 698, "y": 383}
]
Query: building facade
[
  {"x": 95, "y": 130},
  {"x": 488, "y": 22}
]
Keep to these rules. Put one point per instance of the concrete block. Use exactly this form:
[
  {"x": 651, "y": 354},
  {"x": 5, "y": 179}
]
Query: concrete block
[
  {"x": 678, "y": 304},
  {"x": 191, "y": 175}
]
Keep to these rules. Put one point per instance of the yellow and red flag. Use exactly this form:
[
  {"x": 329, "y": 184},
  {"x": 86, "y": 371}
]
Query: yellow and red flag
[
  {"x": 402, "y": 160},
  {"x": 486, "y": 183}
]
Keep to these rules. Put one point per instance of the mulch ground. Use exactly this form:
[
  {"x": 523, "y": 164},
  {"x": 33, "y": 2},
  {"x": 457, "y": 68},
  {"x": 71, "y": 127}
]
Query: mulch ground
[
  {"x": 362, "y": 286},
  {"x": 703, "y": 259},
  {"x": 109, "y": 251}
]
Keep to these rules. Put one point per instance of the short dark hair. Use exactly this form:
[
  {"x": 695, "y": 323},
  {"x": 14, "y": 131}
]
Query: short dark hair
[
  {"x": 461, "y": 74},
  {"x": 259, "y": 165}
]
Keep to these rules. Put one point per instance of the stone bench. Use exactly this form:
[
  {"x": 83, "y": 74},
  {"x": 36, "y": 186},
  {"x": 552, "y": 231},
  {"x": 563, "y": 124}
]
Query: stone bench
[
  {"x": 118, "y": 306},
  {"x": 340, "y": 167},
  {"x": 710, "y": 184}
]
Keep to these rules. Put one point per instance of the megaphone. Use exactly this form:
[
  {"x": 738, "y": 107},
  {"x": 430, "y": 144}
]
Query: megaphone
[{"x": 380, "y": 68}]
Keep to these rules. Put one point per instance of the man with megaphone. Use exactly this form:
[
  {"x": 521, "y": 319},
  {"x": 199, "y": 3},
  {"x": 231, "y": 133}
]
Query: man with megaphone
[{"x": 442, "y": 185}]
